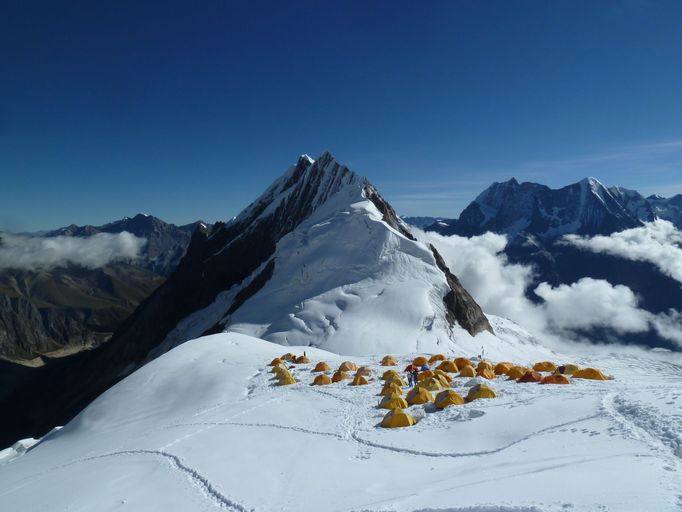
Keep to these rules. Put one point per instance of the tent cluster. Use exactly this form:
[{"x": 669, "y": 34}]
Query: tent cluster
[{"x": 429, "y": 381}]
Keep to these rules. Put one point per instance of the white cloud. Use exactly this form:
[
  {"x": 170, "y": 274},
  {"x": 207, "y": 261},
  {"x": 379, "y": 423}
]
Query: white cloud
[
  {"x": 500, "y": 288},
  {"x": 657, "y": 242},
  {"x": 29, "y": 253}
]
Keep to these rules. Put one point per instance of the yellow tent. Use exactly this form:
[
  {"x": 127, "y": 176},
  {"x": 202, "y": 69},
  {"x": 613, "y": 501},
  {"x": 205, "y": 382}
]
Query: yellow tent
[
  {"x": 396, "y": 380},
  {"x": 389, "y": 389},
  {"x": 516, "y": 372},
  {"x": 448, "y": 366},
  {"x": 277, "y": 369},
  {"x": 285, "y": 379},
  {"x": 590, "y": 373},
  {"x": 393, "y": 402},
  {"x": 388, "y": 361},
  {"x": 432, "y": 384},
  {"x": 462, "y": 361},
  {"x": 442, "y": 376},
  {"x": 302, "y": 360},
  {"x": 467, "y": 371},
  {"x": 397, "y": 418},
  {"x": 364, "y": 371},
  {"x": 486, "y": 373},
  {"x": 436, "y": 357},
  {"x": 567, "y": 369},
  {"x": 544, "y": 366},
  {"x": 448, "y": 397},
  {"x": 419, "y": 395},
  {"x": 420, "y": 361},
  {"x": 389, "y": 374},
  {"x": 348, "y": 366},
  {"x": 339, "y": 376},
  {"x": 480, "y": 391},
  {"x": 485, "y": 365},
  {"x": 322, "y": 367},
  {"x": 359, "y": 380},
  {"x": 503, "y": 368},
  {"x": 322, "y": 380},
  {"x": 276, "y": 361}
]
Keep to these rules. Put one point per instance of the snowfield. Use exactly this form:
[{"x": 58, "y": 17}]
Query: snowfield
[{"x": 203, "y": 427}]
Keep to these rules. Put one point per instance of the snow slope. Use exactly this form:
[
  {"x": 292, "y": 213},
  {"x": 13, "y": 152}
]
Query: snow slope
[{"x": 203, "y": 428}]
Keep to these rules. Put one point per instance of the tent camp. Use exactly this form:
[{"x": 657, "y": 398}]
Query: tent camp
[
  {"x": 448, "y": 397},
  {"x": 397, "y": 418}
]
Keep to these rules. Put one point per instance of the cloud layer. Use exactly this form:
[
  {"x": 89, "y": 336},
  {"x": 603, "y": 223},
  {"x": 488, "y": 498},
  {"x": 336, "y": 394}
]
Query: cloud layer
[
  {"x": 657, "y": 242},
  {"x": 29, "y": 253},
  {"x": 566, "y": 310}
]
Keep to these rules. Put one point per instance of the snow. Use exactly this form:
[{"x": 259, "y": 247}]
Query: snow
[{"x": 204, "y": 428}]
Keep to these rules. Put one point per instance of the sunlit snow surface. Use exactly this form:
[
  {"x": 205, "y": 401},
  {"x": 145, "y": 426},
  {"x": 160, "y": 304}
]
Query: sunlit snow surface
[{"x": 204, "y": 428}]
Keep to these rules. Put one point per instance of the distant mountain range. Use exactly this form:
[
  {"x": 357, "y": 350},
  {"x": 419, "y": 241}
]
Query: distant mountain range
[
  {"x": 57, "y": 311},
  {"x": 535, "y": 218}
]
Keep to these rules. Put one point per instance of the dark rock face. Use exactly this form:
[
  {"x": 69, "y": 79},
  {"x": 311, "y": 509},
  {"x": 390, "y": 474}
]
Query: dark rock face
[{"x": 236, "y": 256}]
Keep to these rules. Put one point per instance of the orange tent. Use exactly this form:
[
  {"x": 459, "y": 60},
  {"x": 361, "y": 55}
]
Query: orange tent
[
  {"x": 485, "y": 365},
  {"x": 467, "y": 371},
  {"x": 359, "y": 380},
  {"x": 322, "y": 367},
  {"x": 567, "y": 369},
  {"x": 590, "y": 373},
  {"x": 544, "y": 366},
  {"x": 348, "y": 366},
  {"x": 339, "y": 376},
  {"x": 364, "y": 371},
  {"x": 530, "y": 376},
  {"x": 388, "y": 361},
  {"x": 462, "y": 361},
  {"x": 276, "y": 361},
  {"x": 389, "y": 374},
  {"x": 448, "y": 366},
  {"x": 424, "y": 375},
  {"x": 517, "y": 372},
  {"x": 420, "y": 361},
  {"x": 486, "y": 373},
  {"x": 302, "y": 360},
  {"x": 555, "y": 379},
  {"x": 436, "y": 357},
  {"x": 322, "y": 380},
  {"x": 502, "y": 368}
]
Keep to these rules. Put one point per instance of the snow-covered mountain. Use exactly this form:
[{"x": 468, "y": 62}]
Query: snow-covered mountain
[
  {"x": 166, "y": 243},
  {"x": 319, "y": 259},
  {"x": 584, "y": 208}
]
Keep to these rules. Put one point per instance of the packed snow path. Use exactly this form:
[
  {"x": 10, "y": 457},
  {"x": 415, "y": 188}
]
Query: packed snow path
[{"x": 204, "y": 428}]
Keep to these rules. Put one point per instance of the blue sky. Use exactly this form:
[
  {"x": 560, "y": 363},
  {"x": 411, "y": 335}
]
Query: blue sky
[{"x": 188, "y": 110}]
